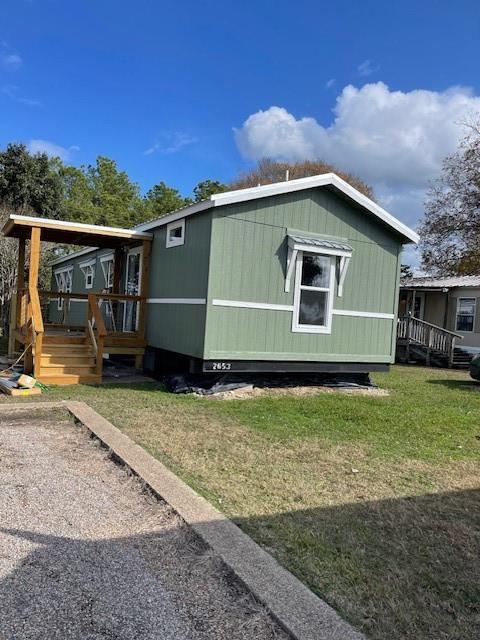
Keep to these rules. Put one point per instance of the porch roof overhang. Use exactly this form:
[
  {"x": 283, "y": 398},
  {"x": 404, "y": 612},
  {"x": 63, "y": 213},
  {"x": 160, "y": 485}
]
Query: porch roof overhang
[{"x": 78, "y": 233}]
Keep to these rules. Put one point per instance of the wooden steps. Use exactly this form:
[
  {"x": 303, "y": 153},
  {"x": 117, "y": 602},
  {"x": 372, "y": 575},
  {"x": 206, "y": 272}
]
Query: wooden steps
[{"x": 67, "y": 359}]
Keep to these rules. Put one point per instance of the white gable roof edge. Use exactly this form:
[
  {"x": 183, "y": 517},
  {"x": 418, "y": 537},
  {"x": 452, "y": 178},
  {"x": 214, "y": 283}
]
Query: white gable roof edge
[{"x": 265, "y": 191}]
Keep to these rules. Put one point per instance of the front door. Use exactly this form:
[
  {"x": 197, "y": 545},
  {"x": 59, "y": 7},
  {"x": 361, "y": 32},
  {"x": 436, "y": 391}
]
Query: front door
[
  {"x": 132, "y": 288},
  {"x": 419, "y": 305}
]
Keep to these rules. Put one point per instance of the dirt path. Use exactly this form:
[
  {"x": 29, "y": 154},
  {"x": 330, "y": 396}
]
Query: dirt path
[{"x": 85, "y": 554}]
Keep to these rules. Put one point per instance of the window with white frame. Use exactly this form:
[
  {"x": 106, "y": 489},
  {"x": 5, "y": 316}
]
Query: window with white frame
[
  {"x": 88, "y": 270},
  {"x": 107, "y": 269},
  {"x": 63, "y": 279},
  {"x": 317, "y": 263},
  {"x": 313, "y": 297},
  {"x": 465, "y": 314},
  {"x": 175, "y": 233}
]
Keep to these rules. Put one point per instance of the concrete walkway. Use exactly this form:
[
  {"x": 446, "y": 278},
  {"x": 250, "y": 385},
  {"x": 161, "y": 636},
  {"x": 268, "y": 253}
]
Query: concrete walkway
[{"x": 84, "y": 554}]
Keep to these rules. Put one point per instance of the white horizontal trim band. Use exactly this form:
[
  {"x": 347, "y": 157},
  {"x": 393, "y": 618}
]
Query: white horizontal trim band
[
  {"x": 176, "y": 300},
  {"x": 289, "y": 307},
  {"x": 363, "y": 314},
  {"x": 252, "y": 305}
]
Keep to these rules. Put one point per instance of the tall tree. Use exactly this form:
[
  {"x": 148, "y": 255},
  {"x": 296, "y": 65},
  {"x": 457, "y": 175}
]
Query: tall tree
[
  {"x": 115, "y": 196},
  {"x": 30, "y": 183},
  {"x": 161, "y": 199},
  {"x": 451, "y": 227},
  {"x": 207, "y": 188},
  {"x": 101, "y": 194},
  {"x": 268, "y": 171}
]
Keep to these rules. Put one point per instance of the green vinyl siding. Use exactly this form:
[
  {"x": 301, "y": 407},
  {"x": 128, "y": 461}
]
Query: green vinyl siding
[
  {"x": 179, "y": 272},
  {"x": 248, "y": 264}
]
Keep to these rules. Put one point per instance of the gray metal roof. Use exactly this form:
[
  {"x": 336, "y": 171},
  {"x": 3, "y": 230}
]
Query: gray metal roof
[
  {"x": 324, "y": 243},
  {"x": 447, "y": 282}
]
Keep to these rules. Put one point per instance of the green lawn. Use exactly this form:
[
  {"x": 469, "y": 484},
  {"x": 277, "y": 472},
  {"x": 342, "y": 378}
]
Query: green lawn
[{"x": 373, "y": 502}]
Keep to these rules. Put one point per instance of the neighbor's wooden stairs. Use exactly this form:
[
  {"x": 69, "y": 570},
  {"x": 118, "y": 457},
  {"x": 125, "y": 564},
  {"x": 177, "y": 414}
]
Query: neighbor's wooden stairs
[{"x": 67, "y": 360}]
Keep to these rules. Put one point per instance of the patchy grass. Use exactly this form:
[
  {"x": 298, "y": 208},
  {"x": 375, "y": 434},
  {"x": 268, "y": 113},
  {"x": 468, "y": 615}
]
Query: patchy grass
[{"x": 374, "y": 502}]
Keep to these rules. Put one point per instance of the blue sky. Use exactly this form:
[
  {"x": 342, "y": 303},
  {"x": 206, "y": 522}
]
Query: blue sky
[{"x": 376, "y": 87}]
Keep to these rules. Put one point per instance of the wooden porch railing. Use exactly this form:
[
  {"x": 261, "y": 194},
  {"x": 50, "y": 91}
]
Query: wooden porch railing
[
  {"x": 31, "y": 322},
  {"x": 433, "y": 338}
]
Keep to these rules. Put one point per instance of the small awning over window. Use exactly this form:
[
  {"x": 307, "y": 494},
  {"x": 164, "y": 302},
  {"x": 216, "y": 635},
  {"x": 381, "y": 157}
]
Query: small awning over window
[
  {"x": 317, "y": 244},
  {"x": 336, "y": 247}
]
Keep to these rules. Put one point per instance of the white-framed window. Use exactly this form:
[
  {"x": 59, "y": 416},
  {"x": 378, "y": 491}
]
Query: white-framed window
[
  {"x": 465, "y": 320},
  {"x": 107, "y": 269},
  {"x": 88, "y": 270},
  {"x": 314, "y": 291},
  {"x": 63, "y": 278},
  {"x": 175, "y": 233}
]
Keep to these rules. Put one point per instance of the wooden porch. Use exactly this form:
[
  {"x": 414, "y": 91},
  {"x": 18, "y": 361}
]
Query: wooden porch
[
  {"x": 59, "y": 351},
  {"x": 424, "y": 341}
]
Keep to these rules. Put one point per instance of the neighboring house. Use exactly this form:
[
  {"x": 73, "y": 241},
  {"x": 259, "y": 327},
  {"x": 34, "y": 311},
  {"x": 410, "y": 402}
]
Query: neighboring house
[
  {"x": 452, "y": 303},
  {"x": 441, "y": 309},
  {"x": 294, "y": 276}
]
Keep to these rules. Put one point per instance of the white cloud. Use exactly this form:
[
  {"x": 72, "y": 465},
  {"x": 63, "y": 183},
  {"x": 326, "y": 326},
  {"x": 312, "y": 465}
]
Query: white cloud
[
  {"x": 394, "y": 140},
  {"x": 51, "y": 149},
  {"x": 171, "y": 143},
  {"x": 9, "y": 60},
  {"x": 12, "y": 92},
  {"x": 365, "y": 68},
  {"x": 9, "y": 90},
  {"x": 330, "y": 83},
  {"x": 29, "y": 102}
]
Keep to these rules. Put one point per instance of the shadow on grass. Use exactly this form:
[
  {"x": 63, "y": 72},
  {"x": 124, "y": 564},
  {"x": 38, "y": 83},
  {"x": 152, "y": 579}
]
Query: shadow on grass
[
  {"x": 401, "y": 568},
  {"x": 457, "y": 385},
  {"x": 404, "y": 568}
]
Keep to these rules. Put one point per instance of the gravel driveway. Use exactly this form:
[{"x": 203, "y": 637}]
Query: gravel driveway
[{"x": 86, "y": 554}]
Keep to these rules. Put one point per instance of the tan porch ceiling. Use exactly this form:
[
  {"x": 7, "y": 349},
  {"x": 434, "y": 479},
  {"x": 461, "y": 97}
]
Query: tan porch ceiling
[{"x": 88, "y": 235}]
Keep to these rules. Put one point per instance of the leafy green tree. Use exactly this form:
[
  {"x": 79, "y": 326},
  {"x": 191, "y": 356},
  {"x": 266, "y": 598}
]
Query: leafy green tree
[
  {"x": 115, "y": 196},
  {"x": 101, "y": 194},
  {"x": 161, "y": 199},
  {"x": 30, "y": 183},
  {"x": 206, "y": 188},
  {"x": 78, "y": 194}
]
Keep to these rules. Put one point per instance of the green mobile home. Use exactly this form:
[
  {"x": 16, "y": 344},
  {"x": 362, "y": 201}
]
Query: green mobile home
[{"x": 295, "y": 276}]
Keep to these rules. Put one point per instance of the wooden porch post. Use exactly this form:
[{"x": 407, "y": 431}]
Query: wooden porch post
[
  {"x": 144, "y": 281},
  {"x": 34, "y": 267},
  {"x": 34, "y": 258},
  {"x": 21, "y": 299}
]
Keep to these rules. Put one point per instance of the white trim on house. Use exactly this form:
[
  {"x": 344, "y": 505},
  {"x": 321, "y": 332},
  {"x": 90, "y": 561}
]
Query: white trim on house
[
  {"x": 74, "y": 254},
  {"x": 104, "y": 262},
  {"x": 363, "y": 314},
  {"x": 240, "y": 304},
  {"x": 175, "y": 241},
  {"x": 295, "y": 245},
  {"x": 64, "y": 281},
  {"x": 176, "y": 300},
  {"x": 251, "y": 305},
  {"x": 243, "y": 195},
  {"x": 298, "y": 327},
  {"x": 88, "y": 270},
  {"x": 129, "y": 234}
]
